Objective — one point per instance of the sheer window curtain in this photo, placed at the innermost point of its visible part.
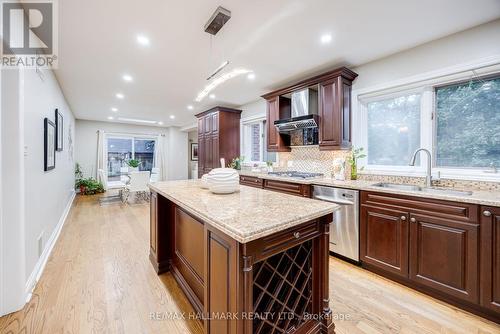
(160, 157)
(101, 154)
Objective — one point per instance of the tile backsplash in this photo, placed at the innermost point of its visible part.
(311, 159)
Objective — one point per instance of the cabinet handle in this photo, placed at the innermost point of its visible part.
(487, 213)
(403, 218)
(296, 235)
(413, 220)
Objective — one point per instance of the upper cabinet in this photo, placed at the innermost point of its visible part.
(334, 110)
(218, 137)
(277, 108)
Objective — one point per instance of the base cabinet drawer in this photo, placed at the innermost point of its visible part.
(288, 187)
(251, 181)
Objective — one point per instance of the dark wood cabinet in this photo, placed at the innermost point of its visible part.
(444, 255)
(218, 137)
(291, 188)
(441, 248)
(277, 108)
(490, 258)
(251, 181)
(286, 271)
(334, 110)
(384, 239)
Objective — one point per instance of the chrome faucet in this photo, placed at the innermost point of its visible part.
(428, 177)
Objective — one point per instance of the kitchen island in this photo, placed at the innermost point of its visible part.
(249, 262)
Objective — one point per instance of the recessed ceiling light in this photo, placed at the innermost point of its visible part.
(251, 76)
(114, 109)
(172, 116)
(110, 117)
(143, 40)
(326, 38)
(160, 123)
(119, 96)
(190, 107)
(212, 96)
(127, 78)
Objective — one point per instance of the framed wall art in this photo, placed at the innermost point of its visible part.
(59, 130)
(49, 145)
(194, 151)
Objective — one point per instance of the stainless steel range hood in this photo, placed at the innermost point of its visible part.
(304, 113)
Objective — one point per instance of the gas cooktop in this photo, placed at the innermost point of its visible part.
(298, 175)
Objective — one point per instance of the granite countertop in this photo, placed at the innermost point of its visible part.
(482, 197)
(246, 215)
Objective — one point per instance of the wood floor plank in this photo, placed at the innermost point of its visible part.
(99, 280)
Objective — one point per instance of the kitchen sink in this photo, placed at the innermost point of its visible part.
(410, 187)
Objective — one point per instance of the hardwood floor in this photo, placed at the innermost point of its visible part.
(99, 280)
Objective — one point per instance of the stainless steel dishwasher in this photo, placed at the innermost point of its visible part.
(344, 230)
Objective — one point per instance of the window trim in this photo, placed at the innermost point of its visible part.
(250, 121)
(426, 83)
(363, 126)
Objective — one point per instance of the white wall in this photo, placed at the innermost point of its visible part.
(86, 141)
(177, 157)
(12, 194)
(34, 202)
(253, 109)
(56, 187)
(463, 47)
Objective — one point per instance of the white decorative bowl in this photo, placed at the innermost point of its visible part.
(204, 181)
(223, 181)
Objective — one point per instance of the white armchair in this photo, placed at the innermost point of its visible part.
(114, 185)
(138, 185)
(123, 175)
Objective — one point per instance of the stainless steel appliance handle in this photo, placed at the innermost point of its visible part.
(333, 200)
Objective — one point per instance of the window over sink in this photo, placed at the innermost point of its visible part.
(455, 117)
(468, 124)
(393, 130)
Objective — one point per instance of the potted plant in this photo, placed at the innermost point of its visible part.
(357, 153)
(79, 181)
(236, 163)
(87, 186)
(133, 164)
(269, 165)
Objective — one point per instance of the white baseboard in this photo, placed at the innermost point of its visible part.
(42, 261)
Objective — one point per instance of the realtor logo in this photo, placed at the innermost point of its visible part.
(28, 30)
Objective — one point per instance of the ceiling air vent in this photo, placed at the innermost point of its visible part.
(217, 20)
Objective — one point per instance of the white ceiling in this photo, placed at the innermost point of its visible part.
(279, 40)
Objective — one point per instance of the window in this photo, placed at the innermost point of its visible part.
(458, 122)
(393, 130)
(468, 124)
(254, 142)
(122, 149)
